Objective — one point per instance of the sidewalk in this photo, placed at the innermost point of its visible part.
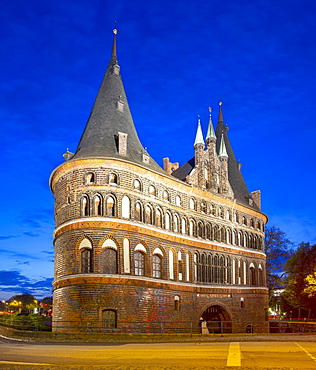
(49, 337)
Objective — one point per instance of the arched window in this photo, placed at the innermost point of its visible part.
(156, 266)
(109, 319)
(222, 235)
(258, 225)
(166, 196)
(167, 221)
(139, 263)
(152, 190)
(215, 233)
(158, 218)
(180, 265)
(236, 218)
(175, 223)
(239, 239)
(221, 212)
(213, 210)
(171, 267)
(126, 207)
(200, 229)
(235, 238)
(126, 258)
(210, 276)
(85, 206)
(110, 261)
(252, 274)
(192, 204)
(208, 232)
(138, 212)
(245, 238)
(89, 178)
(97, 205)
(110, 206)
(137, 185)
(85, 261)
(203, 207)
(228, 217)
(113, 180)
(221, 270)
(229, 236)
(216, 269)
(176, 303)
(191, 228)
(196, 260)
(203, 268)
(148, 215)
(244, 220)
(183, 226)
(178, 201)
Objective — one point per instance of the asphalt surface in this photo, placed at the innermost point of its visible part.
(233, 352)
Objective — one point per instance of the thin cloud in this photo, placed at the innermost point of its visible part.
(6, 237)
(17, 283)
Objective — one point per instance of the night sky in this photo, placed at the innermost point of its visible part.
(177, 59)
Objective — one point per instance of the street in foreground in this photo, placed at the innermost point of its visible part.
(245, 355)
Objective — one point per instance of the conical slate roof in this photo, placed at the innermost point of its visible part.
(235, 177)
(109, 116)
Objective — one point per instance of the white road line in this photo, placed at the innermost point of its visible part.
(234, 356)
(308, 354)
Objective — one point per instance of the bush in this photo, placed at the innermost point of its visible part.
(37, 321)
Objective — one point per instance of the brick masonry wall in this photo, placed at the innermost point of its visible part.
(80, 305)
(80, 298)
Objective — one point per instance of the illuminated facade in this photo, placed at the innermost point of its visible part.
(141, 248)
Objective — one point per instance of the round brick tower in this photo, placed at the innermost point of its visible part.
(140, 249)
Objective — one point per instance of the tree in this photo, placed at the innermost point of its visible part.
(299, 267)
(310, 287)
(22, 302)
(277, 248)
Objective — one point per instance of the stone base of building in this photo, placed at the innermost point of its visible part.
(135, 305)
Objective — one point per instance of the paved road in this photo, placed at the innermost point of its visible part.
(158, 356)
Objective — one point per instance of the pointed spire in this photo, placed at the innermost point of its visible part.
(114, 44)
(210, 130)
(220, 114)
(222, 148)
(199, 135)
(110, 130)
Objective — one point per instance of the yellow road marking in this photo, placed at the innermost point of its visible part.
(308, 354)
(234, 358)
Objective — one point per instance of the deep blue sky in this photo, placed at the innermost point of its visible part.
(177, 58)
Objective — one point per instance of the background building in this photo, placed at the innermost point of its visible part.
(138, 247)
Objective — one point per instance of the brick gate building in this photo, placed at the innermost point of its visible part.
(138, 247)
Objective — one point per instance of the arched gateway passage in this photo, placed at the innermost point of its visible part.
(216, 319)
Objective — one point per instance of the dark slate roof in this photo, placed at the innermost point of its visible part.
(235, 177)
(99, 139)
(182, 172)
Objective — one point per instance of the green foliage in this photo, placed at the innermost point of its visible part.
(310, 287)
(301, 264)
(24, 322)
(37, 321)
(277, 248)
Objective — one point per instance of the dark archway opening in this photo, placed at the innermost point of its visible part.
(217, 320)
